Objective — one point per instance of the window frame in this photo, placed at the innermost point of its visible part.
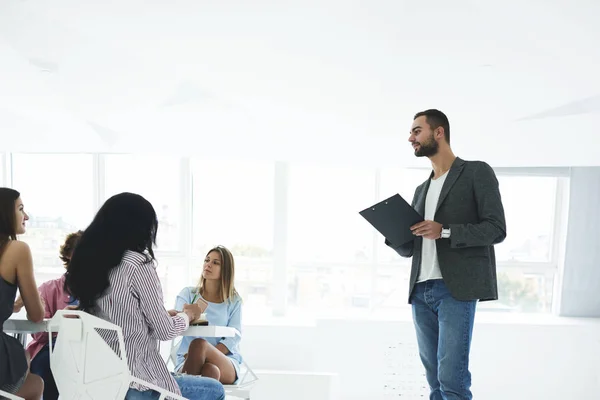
(185, 195)
(5, 176)
(546, 269)
(280, 269)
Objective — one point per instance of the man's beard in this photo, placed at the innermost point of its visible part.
(427, 149)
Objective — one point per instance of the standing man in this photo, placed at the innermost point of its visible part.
(453, 260)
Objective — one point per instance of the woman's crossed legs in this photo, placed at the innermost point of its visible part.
(206, 360)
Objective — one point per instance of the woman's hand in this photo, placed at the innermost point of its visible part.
(173, 313)
(18, 305)
(193, 311)
(202, 303)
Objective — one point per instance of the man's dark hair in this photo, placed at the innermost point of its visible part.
(67, 248)
(435, 119)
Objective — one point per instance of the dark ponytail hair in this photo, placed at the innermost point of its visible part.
(126, 221)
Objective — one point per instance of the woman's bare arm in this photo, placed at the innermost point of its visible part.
(20, 254)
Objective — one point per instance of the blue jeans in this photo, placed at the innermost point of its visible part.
(444, 328)
(192, 388)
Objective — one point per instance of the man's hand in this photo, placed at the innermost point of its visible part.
(173, 313)
(427, 229)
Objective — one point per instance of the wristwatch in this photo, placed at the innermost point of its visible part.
(445, 232)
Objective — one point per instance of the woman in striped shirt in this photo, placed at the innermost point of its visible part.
(112, 274)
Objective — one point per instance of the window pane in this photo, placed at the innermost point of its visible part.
(403, 181)
(522, 291)
(530, 207)
(173, 275)
(57, 191)
(529, 203)
(158, 179)
(330, 247)
(324, 220)
(233, 207)
(3, 180)
(391, 291)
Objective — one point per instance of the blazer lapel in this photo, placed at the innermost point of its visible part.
(453, 175)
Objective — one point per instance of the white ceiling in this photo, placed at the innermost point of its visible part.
(326, 80)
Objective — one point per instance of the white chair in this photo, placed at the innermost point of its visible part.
(9, 396)
(84, 366)
(240, 390)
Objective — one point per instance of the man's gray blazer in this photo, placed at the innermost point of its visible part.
(471, 206)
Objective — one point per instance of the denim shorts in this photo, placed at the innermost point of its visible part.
(236, 367)
(192, 388)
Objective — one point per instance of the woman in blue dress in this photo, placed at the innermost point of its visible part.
(217, 358)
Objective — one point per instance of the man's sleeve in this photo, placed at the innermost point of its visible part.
(491, 228)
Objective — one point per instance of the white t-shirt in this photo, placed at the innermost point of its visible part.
(430, 266)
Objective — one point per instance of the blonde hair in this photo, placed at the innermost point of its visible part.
(227, 289)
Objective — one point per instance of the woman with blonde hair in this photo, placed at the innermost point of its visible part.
(218, 358)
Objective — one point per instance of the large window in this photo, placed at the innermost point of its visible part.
(158, 179)
(233, 205)
(58, 192)
(403, 181)
(330, 249)
(173, 274)
(294, 228)
(530, 207)
(323, 214)
(527, 259)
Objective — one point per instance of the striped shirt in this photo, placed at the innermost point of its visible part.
(134, 301)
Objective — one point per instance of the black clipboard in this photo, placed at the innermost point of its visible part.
(393, 218)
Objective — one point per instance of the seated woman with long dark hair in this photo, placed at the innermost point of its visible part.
(55, 298)
(113, 276)
(16, 271)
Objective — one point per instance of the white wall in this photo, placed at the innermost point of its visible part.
(258, 83)
(531, 358)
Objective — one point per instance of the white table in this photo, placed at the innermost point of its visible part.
(20, 327)
(210, 331)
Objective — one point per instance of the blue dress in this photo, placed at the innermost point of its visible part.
(13, 363)
(228, 313)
